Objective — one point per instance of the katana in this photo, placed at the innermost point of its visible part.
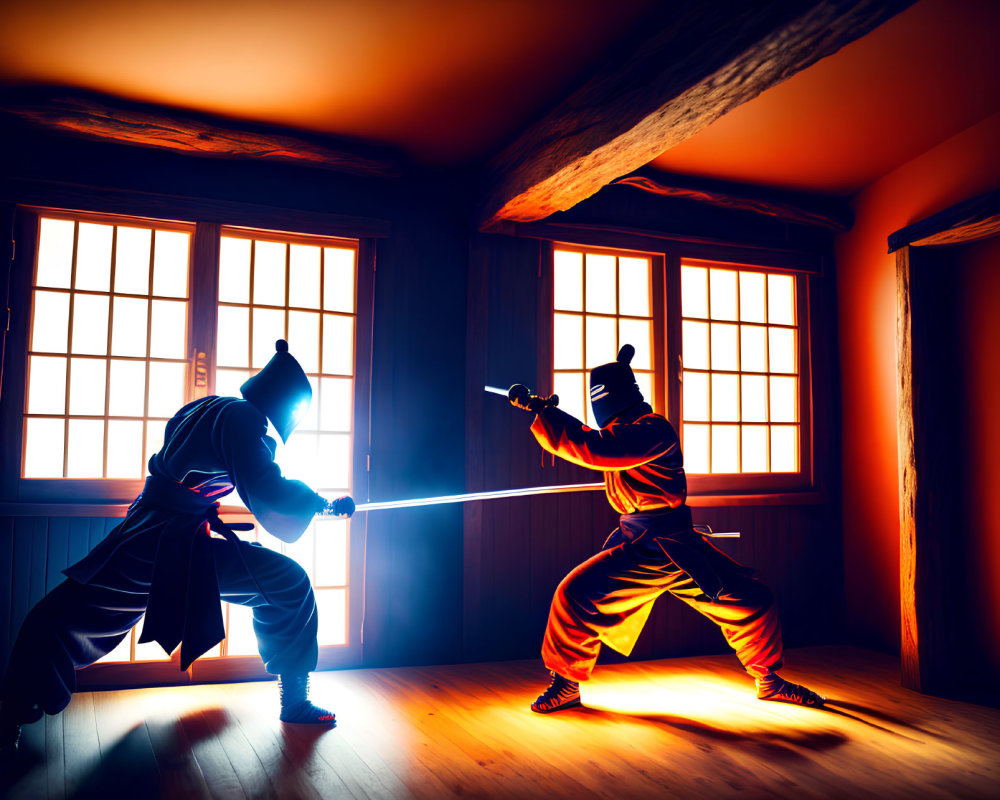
(469, 497)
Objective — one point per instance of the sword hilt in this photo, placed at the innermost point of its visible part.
(520, 395)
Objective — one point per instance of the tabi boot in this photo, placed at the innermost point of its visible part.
(774, 687)
(562, 693)
(295, 705)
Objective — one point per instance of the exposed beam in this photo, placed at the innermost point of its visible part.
(838, 220)
(149, 126)
(969, 221)
(704, 59)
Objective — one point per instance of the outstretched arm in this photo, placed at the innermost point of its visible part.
(617, 447)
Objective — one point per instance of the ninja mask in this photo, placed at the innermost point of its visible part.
(613, 388)
(281, 390)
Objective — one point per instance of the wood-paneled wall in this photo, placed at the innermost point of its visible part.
(33, 553)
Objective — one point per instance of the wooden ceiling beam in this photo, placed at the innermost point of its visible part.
(704, 59)
(150, 126)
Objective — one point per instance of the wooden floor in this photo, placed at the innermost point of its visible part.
(675, 728)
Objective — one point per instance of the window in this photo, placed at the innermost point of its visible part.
(112, 355)
(602, 300)
(740, 345)
(740, 393)
(107, 357)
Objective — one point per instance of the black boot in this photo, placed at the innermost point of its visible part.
(562, 693)
(774, 687)
(295, 705)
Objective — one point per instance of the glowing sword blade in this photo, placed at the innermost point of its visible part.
(529, 491)
(496, 390)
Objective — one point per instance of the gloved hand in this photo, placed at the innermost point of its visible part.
(520, 396)
(341, 507)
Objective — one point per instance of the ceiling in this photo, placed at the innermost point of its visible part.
(836, 127)
(447, 81)
(450, 82)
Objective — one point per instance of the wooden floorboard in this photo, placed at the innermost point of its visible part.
(676, 728)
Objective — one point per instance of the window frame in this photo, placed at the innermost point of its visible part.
(707, 489)
(110, 497)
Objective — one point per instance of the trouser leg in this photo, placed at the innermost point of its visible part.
(747, 615)
(610, 590)
(73, 626)
(284, 617)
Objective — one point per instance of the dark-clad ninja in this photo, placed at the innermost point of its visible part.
(162, 560)
(655, 548)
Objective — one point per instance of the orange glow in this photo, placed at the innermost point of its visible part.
(854, 116)
(445, 79)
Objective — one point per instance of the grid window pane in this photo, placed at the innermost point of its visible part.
(336, 397)
(695, 394)
(170, 263)
(781, 349)
(268, 327)
(234, 270)
(85, 448)
(567, 344)
(781, 299)
(90, 324)
(754, 452)
(132, 249)
(154, 437)
(634, 288)
(753, 348)
(695, 344)
(93, 257)
(46, 385)
(723, 293)
(751, 376)
(332, 612)
(303, 338)
(601, 341)
(753, 297)
(168, 329)
(338, 279)
(269, 273)
(232, 337)
(109, 302)
(639, 334)
(694, 292)
(644, 380)
(87, 386)
(55, 252)
(696, 447)
(725, 448)
(568, 280)
(725, 347)
(240, 638)
(229, 381)
(44, 440)
(127, 389)
(331, 552)
(125, 449)
(569, 387)
(304, 276)
(338, 344)
(600, 278)
(50, 322)
(128, 327)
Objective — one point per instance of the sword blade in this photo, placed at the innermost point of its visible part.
(385, 505)
(496, 390)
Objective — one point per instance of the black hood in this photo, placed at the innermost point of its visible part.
(281, 390)
(613, 388)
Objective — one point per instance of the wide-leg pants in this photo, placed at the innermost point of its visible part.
(76, 624)
(608, 597)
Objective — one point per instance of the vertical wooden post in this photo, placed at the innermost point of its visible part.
(928, 370)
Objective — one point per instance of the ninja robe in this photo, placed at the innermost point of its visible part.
(655, 549)
(162, 561)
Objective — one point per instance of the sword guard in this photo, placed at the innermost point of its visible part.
(521, 397)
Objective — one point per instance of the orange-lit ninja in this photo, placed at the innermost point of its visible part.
(655, 548)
